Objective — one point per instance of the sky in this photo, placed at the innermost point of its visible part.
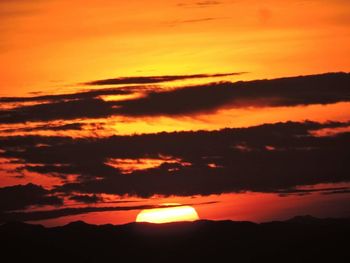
(239, 109)
(52, 45)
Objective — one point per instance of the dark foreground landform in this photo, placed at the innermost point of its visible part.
(301, 239)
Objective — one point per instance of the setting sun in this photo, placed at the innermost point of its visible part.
(168, 214)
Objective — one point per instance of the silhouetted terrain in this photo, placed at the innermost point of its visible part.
(301, 239)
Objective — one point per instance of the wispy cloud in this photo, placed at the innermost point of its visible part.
(63, 127)
(197, 20)
(49, 214)
(194, 20)
(207, 3)
(159, 79)
(199, 4)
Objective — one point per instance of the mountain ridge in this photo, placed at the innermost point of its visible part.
(320, 240)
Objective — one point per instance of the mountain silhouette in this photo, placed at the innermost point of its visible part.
(301, 239)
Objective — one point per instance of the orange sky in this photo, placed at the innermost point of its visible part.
(256, 207)
(50, 45)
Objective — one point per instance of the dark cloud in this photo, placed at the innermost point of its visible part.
(61, 110)
(331, 190)
(22, 196)
(82, 95)
(340, 191)
(159, 79)
(268, 158)
(55, 213)
(88, 199)
(89, 94)
(315, 89)
(63, 127)
(49, 214)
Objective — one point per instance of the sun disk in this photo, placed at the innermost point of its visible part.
(168, 214)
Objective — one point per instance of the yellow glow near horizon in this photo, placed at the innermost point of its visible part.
(168, 214)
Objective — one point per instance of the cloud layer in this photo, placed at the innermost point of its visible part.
(266, 158)
(22, 196)
(189, 100)
(279, 158)
(157, 79)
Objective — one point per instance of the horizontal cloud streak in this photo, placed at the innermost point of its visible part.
(63, 127)
(67, 97)
(61, 110)
(317, 89)
(88, 199)
(49, 214)
(159, 79)
(200, 4)
(56, 213)
(190, 100)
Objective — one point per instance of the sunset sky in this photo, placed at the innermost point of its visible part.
(51, 45)
(240, 109)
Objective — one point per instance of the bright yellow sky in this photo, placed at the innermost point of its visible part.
(50, 45)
